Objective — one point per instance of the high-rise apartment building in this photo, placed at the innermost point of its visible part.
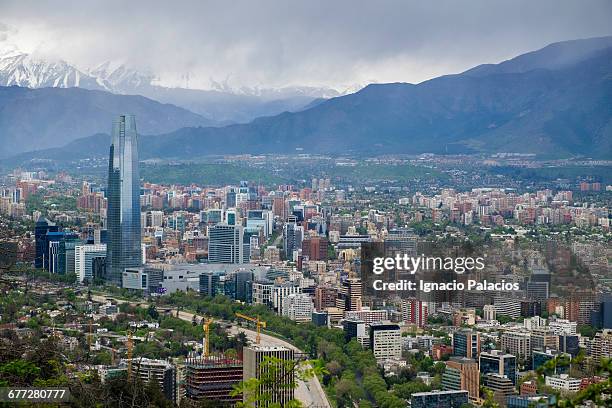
(401, 241)
(280, 291)
(489, 312)
(543, 339)
(517, 343)
(385, 341)
(414, 311)
(349, 297)
(298, 307)
(262, 292)
(123, 193)
(367, 315)
(507, 306)
(315, 248)
(601, 346)
(462, 374)
(466, 343)
(292, 238)
(279, 207)
(325, 297)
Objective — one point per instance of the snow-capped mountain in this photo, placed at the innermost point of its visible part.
(221, 103)
(21, 69)
(121, 79)
(29, 71)
(277, 93)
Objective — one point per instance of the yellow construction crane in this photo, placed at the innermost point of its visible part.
(129, 353)
(258, 322)
(206, 326)
(90, 337)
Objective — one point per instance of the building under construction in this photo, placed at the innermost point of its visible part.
(212, 378)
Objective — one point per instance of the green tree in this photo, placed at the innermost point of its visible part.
(19, 373)
(406, 390)
(587, 330)
(276, 377)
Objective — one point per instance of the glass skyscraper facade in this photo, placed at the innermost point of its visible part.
(123, 214)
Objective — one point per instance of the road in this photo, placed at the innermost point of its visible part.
(309, 393)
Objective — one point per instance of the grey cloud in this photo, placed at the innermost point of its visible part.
(276, 43)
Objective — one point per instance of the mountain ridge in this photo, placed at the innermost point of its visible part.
(221, 104)
(33, 119)
(559, 110)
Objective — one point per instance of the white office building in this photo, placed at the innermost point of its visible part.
(225, 244)
(385, 341)
(562, 326)
(489, 312)
(83, 260)
(281, 291)
(298, 307)
(563, 382)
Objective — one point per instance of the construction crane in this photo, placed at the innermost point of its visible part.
(90, 337)
(206, 326)
(129, 354)
(258, 322)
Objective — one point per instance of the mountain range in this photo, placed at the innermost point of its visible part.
(34, 119)
(221, 104)
(556, 101)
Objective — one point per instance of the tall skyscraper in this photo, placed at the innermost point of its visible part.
(292, 238)
(124, 244)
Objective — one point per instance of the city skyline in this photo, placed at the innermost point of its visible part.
(285, 239)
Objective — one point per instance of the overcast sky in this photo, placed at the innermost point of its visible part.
(280, 43)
